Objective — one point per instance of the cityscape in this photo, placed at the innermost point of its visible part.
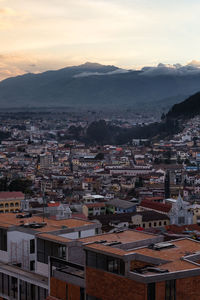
(99, 150)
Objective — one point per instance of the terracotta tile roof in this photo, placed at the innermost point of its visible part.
(7, 195)
(179, 229)
(53, 204)
(162, 207)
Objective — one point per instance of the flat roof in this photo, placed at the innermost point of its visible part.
(126, 236)
(53, 237)
(8, 220)
(182, 248)
(26, 274)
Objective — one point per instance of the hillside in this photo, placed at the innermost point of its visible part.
(186, 109)
(98, 86)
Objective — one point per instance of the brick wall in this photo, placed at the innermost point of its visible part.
(107, 286)
(160, 290)
(73, 292)
(188, 288)
(58, 290)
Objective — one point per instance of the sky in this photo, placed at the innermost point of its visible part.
(38, 35)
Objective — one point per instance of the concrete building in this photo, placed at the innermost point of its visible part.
(27, 242)
(130, 271)
(46, 160)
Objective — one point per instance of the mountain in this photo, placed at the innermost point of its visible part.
(97, 86)
(186, 109)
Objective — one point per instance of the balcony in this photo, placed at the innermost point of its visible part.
(66, 271)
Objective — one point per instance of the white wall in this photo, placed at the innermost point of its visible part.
(87, 233)
(75, 235)
(42, 268)
(19, 248)
(4, 256)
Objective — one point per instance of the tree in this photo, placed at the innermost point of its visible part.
(99, 156)
(21, 185)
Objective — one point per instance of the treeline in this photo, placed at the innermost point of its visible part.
(100, 132)
(186, 109)
(4, 135)
(16, 185)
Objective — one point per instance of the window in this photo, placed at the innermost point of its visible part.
(82, 293)
(181, 220)
(103, 262)
(6, 204)
(151, 291)
(143, 225)
(165, 223)
(16, 204)
(11, 204)
(160, 223)
(47, 248)
(32, 246)
(3, 240)
(155, 224)
(170, 290)
(150, 224)
(32, 265)
(14, 287)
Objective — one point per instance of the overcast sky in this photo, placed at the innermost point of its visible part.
(36, 35)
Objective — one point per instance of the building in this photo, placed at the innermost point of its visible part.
(180, 213)
(10, 201)
(94, 209)
(46, 160)
(27, 242)
(120, 206)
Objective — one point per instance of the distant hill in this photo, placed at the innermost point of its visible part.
(186, 109)
(97, 86)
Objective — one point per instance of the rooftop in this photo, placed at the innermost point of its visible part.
(182, 248)
(123, 237)
(121, 203)
(9, 220)
(10, 195)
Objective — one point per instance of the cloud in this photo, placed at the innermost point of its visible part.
(175, 69)
(87, 74)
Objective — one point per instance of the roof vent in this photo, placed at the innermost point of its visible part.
(160, 246)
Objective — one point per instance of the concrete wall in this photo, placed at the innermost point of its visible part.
(4, 256)
(42, 268)
(79, 234)
(19, 248)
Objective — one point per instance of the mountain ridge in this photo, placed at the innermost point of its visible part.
(115, 88)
